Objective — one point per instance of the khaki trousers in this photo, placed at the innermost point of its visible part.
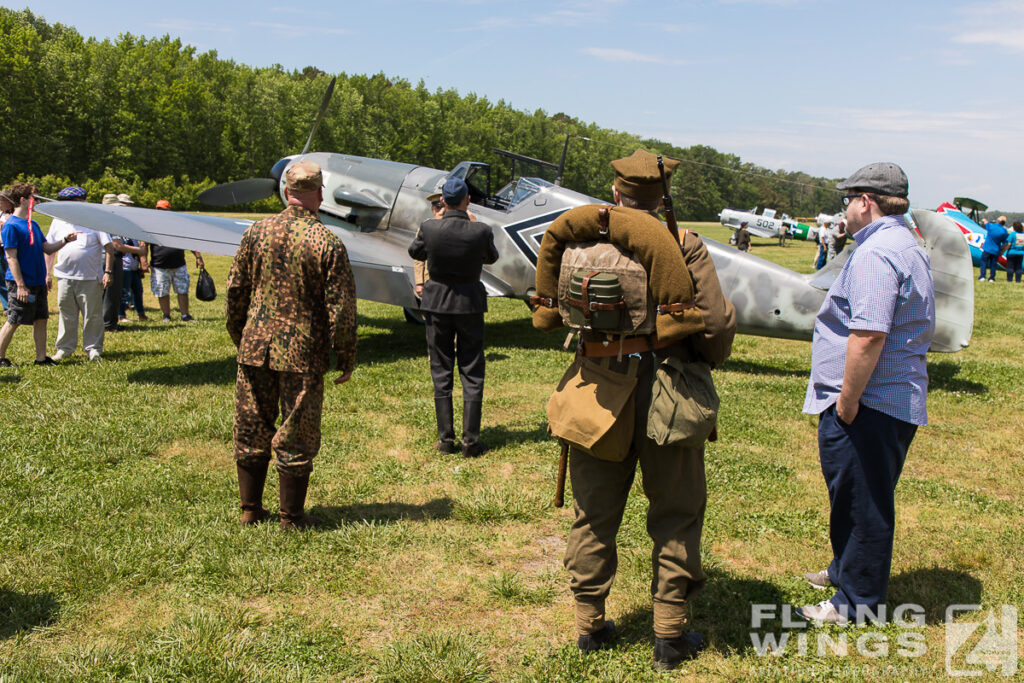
(674, 483)
(76, 297)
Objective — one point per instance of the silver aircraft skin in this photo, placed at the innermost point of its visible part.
(376, 207)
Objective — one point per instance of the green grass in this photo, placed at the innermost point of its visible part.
(121, 557)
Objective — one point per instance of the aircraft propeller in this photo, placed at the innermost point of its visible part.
(254, 189)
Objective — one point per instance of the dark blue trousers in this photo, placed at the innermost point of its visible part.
(989, 261)
(862, 463)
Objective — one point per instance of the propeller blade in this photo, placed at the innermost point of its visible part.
(320, 115)
(239, 192)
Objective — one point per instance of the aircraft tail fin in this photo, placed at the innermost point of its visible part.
(953, 275)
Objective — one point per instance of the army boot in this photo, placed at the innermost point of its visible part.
(595, 632)
(672, 645)
(293, 500)
(250, 489)
(671, 652)
(445, 425)
(471, 446)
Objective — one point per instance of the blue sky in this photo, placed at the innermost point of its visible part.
(820, 86)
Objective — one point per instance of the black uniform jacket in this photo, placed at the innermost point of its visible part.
(455, 249)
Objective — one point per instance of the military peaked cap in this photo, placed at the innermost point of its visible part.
(637, 175)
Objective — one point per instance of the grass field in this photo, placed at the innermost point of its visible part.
(121, 556)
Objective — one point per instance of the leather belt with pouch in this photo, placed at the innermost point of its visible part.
(593, 409)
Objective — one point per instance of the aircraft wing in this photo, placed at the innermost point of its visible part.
(382, 270)
(205, 234)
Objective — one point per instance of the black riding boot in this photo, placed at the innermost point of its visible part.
(445, 425)
(471, 446)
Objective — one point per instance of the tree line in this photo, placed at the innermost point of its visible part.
(152, 117)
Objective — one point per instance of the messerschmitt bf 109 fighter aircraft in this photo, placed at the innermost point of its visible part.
(376, 207)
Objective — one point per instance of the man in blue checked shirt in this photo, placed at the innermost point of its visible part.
(868, 384)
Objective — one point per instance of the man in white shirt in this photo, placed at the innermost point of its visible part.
(82, 271)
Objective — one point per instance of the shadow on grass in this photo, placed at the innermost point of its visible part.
(24, 611)
(942, 375)
(137, 329)
(134, 353)
(221, 371)
(934, 588)
(499, 435)
(335, 516)
(754, 368)
(9, 379)
(721, 613)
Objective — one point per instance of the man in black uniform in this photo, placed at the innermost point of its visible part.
(454, 302)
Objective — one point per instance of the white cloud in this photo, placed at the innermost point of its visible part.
(944, 153)
(998, 24)
(611, 54)
(297, 30)
(1012, 39)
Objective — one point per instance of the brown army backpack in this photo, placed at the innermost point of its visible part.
(603, 287)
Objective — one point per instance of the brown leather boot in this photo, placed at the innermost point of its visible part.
(250, 489)
(293, 500)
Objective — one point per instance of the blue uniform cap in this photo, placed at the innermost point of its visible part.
(72, 192)
(454, 191)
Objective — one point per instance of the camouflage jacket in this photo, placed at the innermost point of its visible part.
(291, 297)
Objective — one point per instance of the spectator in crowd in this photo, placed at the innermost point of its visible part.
(26, 248)
(134, 265)
(869, 386)
(168, 270)
(743, 237)
(82, 271)
(840, 237)
(995, 240)
(6, 209)
(1015, 252)
(112, 293)
(824, 240)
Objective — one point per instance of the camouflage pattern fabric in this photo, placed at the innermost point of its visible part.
(259, 394)
(291, 295)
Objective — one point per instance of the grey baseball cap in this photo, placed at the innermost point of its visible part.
(883, 177)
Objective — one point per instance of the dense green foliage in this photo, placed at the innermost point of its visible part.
(123, 114)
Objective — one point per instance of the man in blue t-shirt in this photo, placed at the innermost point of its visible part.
(995, 238)
(25, 248)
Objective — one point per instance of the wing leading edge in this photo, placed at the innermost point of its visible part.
(383, 271)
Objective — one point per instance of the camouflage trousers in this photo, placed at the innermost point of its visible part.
(260, 395)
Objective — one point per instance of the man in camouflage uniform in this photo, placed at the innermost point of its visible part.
(673, 474)
(290, 301)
